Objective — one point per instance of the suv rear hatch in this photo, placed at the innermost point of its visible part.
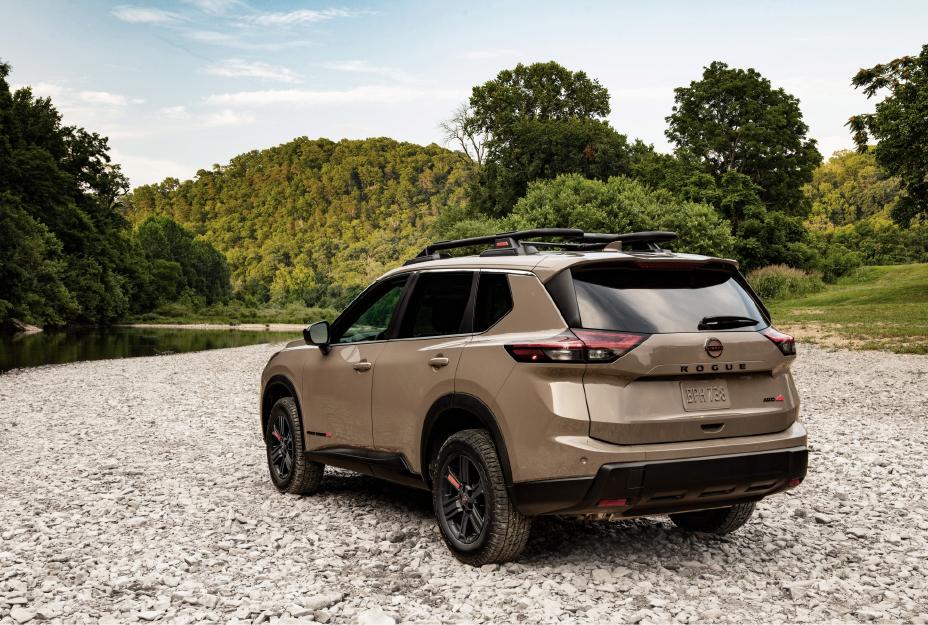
(704, 366)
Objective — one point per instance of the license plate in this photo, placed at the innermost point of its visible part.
(708, 395)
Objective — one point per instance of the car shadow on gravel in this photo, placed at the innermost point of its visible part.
(551, 537)
(562, 537)
(392, 498)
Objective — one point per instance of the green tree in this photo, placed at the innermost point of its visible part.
(313, 221)
(535, 122)
(66, 253)
(849, 188)
(621, 204)
(900, 127)
(191, 263)
(733, 120)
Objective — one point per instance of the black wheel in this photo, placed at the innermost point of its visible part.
(477, 520)
(290, 471)
(718, 521)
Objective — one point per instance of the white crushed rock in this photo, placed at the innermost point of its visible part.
(136, 491)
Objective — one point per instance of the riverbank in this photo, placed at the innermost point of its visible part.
(250, 327)
(138, 489)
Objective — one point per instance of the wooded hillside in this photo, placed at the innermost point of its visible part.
(313, 220)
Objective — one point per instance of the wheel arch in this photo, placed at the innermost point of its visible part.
(277, 387)
(455, 412)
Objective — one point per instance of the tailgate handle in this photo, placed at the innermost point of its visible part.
(712, 428)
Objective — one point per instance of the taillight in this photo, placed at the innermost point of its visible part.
(785, 342)
(595, 346)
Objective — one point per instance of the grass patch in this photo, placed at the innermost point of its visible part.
(884, 307)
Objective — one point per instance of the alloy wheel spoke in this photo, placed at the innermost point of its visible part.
(451, 507)
(464, 470)
(462, 530)
(477, 519)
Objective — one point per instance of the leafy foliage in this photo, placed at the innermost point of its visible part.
(66, 254)
(900, 127)
(313, 221)
(65, 250)
(621, 205)
(850, 187)
(537, 121)
(733, 120)
(181, 262)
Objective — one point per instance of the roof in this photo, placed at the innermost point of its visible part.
(548, 264)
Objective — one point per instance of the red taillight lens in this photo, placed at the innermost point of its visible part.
(564, 347)
(785, 342)
(575, 346)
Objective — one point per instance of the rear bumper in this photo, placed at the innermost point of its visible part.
(665, 486)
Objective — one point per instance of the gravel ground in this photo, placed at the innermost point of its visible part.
(136, 490)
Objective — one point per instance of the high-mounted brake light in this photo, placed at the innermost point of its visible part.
(576, 346)
(785, 342)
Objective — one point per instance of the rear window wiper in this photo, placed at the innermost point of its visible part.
(721, 322)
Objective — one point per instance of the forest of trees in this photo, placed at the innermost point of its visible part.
(67, 255)
(312, 221)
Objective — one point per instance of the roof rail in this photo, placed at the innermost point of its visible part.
(517, 243)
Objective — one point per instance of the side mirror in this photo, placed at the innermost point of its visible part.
(317, 334)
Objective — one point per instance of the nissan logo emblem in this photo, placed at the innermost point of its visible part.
(714, 347)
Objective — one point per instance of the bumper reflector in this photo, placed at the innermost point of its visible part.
(610, 503)
(794, 482)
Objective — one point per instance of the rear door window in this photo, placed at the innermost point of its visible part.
(656, 301)
(437, 304)
(494, 300)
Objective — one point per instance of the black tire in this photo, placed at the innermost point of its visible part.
(718, 521)
(290, 471)
(480, 493)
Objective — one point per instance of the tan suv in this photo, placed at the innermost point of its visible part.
(556, 372)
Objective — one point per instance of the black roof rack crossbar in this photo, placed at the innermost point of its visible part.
(515, 236)
(519, 243)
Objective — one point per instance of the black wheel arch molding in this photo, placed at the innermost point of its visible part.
(276, 387)
(474, 407)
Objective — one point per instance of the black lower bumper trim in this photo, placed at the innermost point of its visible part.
(666, 486)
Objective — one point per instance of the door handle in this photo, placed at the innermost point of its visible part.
(438, 361)
(362, 366)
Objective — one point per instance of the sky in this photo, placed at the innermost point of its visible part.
(178, 86)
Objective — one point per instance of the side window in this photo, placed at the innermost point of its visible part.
(437, 304)
(372, 318)
(494, 300)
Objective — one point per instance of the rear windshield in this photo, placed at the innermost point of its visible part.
(657, 301)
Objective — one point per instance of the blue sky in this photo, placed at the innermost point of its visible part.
(178, 86)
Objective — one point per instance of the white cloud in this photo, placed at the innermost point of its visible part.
(237, 68)
(482, 55)
(103, 97)
(214, 7)
(224, 39)
(66, 98)
(145, 15)
(44, 89)
(365, 94)
(175, 112)
(300, 16)
(227, 117)
(144, 170)
(210, 36)
(363, 67)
